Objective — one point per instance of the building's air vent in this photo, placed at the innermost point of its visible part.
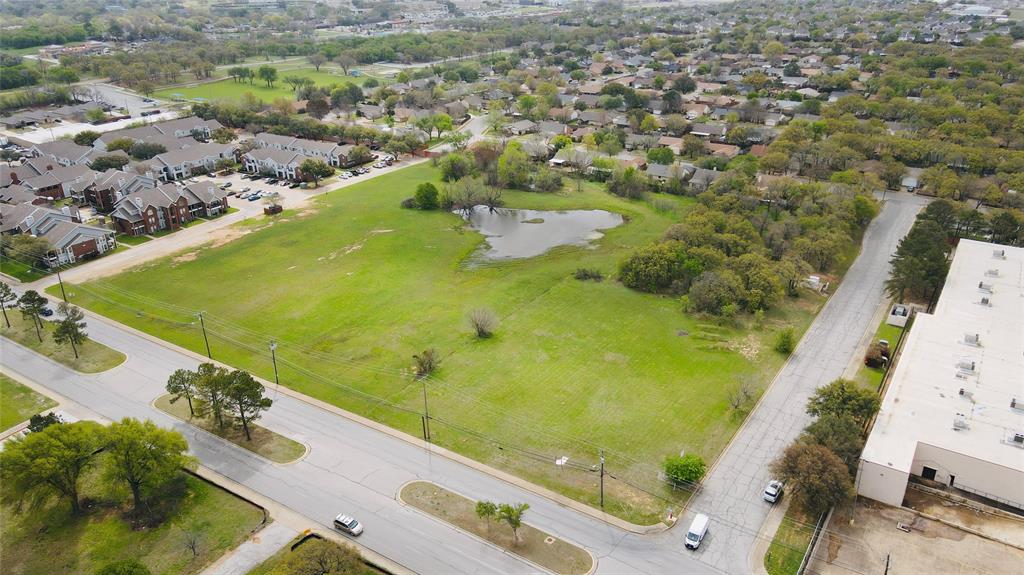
(984, 287)
(966, 394)
(999, 254)
(992, 273)
(972, 339)
(1018, 438)
(959, 422)
(986, 302)
(966, 365)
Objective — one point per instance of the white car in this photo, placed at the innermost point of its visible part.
(773, 491)
(348, 524)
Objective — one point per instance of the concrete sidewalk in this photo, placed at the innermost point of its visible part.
(260, 547)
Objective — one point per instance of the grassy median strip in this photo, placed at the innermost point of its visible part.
(264, 443)
(18, 403)
(534, 545)
(50, 541)
(790, 542)
(92, 357)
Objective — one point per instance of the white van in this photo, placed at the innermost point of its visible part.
(698, 529)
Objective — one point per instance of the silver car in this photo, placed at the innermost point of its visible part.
(348, 524)
(773, 491)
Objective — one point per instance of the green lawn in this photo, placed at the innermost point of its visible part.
(19, 270)
(132, 240)
(790, 542)
(93, 357)
(18, 403)
(277, 564)
(354, 290)
(229, 89)
(264, 442)
(49, 541)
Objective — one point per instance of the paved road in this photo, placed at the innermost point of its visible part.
(359, 470)
(731, 494)
(349, 468)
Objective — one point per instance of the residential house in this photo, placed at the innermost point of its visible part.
(521, 127)
(727, 151)
(197, 159)
(702, 179)
(64, 152)
(112, 185)
(280, 163)
(165, 207)
(70, 240)
(673, 143)
(332, 153)
(665, 172)
(550, 129)
(712, 131)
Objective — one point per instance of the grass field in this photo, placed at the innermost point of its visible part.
(353, 290)
(19, 270)
(229, 89)
(18, 403)
(553, 554)
(277, 564)
(790, 542)
(264, 442)
(132, 240)
(49, 541)
(92, 357)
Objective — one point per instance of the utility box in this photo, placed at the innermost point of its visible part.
(898, 315)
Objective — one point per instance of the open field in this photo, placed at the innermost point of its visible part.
(18, 403)
(229, 89)
(354, 286)
(49, 541)
(265, 443)
(555, 555)
(92, 357)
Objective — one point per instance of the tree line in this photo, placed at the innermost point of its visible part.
(227, 397)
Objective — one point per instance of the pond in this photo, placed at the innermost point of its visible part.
(513, 234)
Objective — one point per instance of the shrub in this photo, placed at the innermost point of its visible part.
(588, 274)
(483, 321)
(785, 341)
(427, 362)
(683, 471)
(124, 567)
(426, 196)
(409, 203)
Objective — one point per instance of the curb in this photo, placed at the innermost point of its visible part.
(962, 528)
(557, 498)
(398, 498)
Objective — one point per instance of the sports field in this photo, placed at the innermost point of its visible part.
(355, 286)
(229, 89)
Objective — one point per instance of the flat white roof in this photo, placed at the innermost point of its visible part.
(924, 402)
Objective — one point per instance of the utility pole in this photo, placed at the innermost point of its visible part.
(886, 564)
(602, 479)
(205, 339)
(426, 412)
(273, 358)
(61, 282)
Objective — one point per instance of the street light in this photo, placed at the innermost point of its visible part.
(273, 358)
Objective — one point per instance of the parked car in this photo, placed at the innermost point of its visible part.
(46, 312)
(225, 185)
(773, 491)
(254, 197)
(272, 181)
(348, 524)
(294, 185)
(698, 529)
(245, 189)
(231, 193)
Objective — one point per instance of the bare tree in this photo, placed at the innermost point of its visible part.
(743, 393)
(427, 362)
(483, 321)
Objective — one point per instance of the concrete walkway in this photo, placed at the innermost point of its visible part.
(257, 549)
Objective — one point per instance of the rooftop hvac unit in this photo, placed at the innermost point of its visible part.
(984, 287)
(986, 301)
(966, 394)
(966, 365)
(959, 422)
(972, 339)
(999, 254)
(1018, 438)
(993, 273)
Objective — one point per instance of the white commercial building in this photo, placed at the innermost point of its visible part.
(954, 409)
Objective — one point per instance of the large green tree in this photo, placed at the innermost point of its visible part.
(246, 398)
(143, 456)
(843, 397)
(316, 170)
(50, 462)
(919, 266)
(70, 327)
(32, 305)
(817, 478)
